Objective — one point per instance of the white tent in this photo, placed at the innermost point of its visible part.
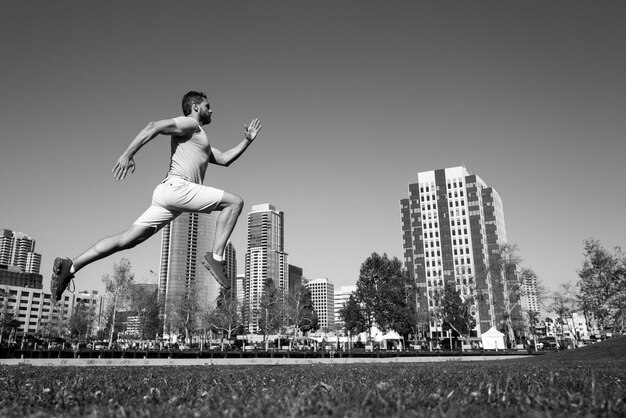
(390, 336)
(493, 339)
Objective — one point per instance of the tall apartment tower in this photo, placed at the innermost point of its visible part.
(530, 299)
(265, 258)
(323, 298)
(452, 225)
(230, 256)
(184, 242)
(17, 249)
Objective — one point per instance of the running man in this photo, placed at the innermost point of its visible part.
(181, 191)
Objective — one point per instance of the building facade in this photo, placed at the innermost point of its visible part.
(38, 316)
(323, 298)
(18, 249)
(342, 295)
(452, 227)
(240, 289)
(184, 242)
(295, 278)
(529, 295)
(265, 259)
(14, 276)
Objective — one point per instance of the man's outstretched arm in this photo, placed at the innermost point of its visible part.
(226, 158)
(147, 134)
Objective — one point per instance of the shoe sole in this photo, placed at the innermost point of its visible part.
(57, 269)
(215, 276)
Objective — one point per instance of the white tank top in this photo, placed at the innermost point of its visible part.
(190, 154)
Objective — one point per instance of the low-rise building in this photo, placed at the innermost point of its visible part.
(36, 314)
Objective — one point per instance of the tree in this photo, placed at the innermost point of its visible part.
(117, 287)
(55, 325)
(385, 294)
(5, 315)
(564, 303)
(353, 318)
(298, 311)
(187, 309)
(225, 318)
(515, 282)
(455, 311)
(268, 312)
(145, 303)
(602, 285)
(81, 320)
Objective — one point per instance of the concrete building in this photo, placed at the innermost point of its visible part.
(265, 259)
(230, 256)
(241, 294)
(323, 298)
(184, 242)
(33, 309)
(14, 276)
(529, 297)
(295, 278)
(18, 249)
(452, 225)
(341, 297)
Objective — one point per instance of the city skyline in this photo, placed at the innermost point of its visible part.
(355, 99)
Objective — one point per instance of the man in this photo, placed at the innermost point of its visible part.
(181, 191)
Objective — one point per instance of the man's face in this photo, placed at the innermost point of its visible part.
(205, 112)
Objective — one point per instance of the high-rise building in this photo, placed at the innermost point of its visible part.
(17, 249)
(265, 258)
(185, 241)
(453, 226)
(240, 289)
(323, 298)
(295, 278)
(341, 297)
(230, 256)
(529, 297)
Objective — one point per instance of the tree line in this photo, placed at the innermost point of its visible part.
(385, 297)
(599, 293)
(287, 313)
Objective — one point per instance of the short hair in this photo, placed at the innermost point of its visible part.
(190, 99)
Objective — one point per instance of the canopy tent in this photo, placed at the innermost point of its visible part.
(391, 336)
(493, 339)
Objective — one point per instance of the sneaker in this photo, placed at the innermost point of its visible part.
(61, 277)
(216, 268)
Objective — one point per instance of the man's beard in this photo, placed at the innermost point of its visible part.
(205, 119)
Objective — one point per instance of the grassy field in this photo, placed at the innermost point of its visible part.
(589, 382)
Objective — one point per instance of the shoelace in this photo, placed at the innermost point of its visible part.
(71, 283)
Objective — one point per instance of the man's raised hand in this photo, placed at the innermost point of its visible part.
(253, 129)
(122, 166)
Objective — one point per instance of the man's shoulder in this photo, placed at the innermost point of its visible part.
(185, 120)
(186, 123)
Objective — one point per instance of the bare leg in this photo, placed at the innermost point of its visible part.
(134, 235)
(230, 206)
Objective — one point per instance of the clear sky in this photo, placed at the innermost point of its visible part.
(355, 98)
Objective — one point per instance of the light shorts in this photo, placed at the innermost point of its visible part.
(175, 196)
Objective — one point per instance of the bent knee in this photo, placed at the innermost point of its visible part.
(239, 202)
